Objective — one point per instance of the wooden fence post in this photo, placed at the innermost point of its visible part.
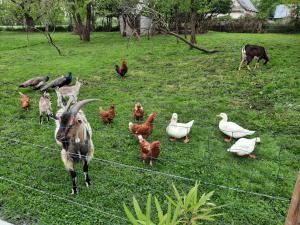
(293, 217)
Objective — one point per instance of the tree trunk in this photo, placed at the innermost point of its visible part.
(177, 22)
(79, 26)
(28, 22)
(193, 23)
(124, 34)
(93, 21)
(293, 217)
(86, 34)
(109, 24)
(185, 28)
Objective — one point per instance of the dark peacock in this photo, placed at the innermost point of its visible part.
(36, 82)
(58, 82)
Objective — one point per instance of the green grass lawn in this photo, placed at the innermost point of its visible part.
(165, 77)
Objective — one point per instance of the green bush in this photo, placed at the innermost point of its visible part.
(58, 28)
(183, 209)
(282, 28)
(12, 28)
(105, 29)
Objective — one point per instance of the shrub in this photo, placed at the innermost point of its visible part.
(184, 209)
(282, 28)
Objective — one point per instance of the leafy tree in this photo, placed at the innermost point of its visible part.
(194, 12)
(267, 7)
(107, 9)
(81, 13)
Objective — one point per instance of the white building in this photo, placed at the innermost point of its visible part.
(283, 11)
(143, 26)
(242, 8)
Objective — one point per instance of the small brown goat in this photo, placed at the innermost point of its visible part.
(45, 107)
(253, 51)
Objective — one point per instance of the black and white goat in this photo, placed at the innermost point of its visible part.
(253, 51)
(45, 107)
(73, 132)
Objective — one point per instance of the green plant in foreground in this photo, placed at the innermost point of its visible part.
(183, 209)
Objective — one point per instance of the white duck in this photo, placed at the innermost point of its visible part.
(232, 129)
(179, 130)
(244, 147)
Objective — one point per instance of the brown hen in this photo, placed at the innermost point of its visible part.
(144, 129)
(149, 151)
(25, 101)
(138, 112)
(107, 116)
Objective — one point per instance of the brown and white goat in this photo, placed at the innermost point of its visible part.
(253, 51)
(73, 132)
(45, 107)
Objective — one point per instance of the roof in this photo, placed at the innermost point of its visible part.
(282, 11)
(247, 5)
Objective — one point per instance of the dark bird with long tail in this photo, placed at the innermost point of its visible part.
(36, 82)
(58, 82)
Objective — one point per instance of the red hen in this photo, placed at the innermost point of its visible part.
(149, 151)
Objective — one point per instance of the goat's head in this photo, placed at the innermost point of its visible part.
(68, 119)
(46, 95)
(78, 82)
(266, 58)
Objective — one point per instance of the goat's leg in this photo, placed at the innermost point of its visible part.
(59, 101)
(74, 98)
(85, 172)
(74, 182)
(41, 119)
(48, 118)
(241, 64)
(248, 67)
(257, 63)
(249, 59)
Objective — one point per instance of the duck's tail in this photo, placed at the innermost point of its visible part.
(250, 132)
(130, 126)
(190, 124)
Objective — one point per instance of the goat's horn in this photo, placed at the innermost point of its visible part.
(67, 104)
(76, 107)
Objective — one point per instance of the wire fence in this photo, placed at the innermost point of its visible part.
(55, 151)
(209, 143)
(133, 168)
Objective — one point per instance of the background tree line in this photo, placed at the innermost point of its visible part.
(83, 16)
